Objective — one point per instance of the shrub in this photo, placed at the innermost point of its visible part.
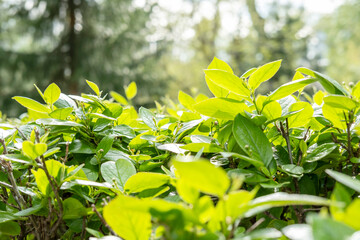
(239, 165)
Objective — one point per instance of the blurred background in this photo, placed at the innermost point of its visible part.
(163, 45)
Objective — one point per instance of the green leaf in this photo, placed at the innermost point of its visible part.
(302, 117)
(148, 117)
(345, 179)
(57, 122)
(131, 90)
(52, 94)
(10, 228)
(263, 74)
(186, 100)
(207, 147)
(324, 228)
(220, 65)
(7, 216)
(252, 140)
(293, 169)
(128, 224)
(33, 150)
(279, 199)
(203, 176)
(215, 89)
(172, 147)
(73, 209)
(320, 152)
(104, 146)
(272, 110)
(32, 104)
(221, 108)
(298, 231)
(94, 87)
(330, 85)
(119, 98)
(340, 101)
(145, 180)
(228, 81)
(335, 115)
(55, 169)
(119, 171)
(356, 91)
(319, 97)
(289, 88)
(61, 113)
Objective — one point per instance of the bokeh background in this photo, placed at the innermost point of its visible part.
(163, 45)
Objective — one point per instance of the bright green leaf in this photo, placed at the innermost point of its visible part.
(252, 140)
(222, 108)
(32, 104)
(73, 209)
(145, 180)
(131, 90)
(203, 176)
(94, 87)
(52, 94)
(119, 171)
(228, 81)
(263, 74)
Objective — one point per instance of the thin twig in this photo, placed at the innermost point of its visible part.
(21, 134)
(2, 141)
(102, 219)
(255, 225)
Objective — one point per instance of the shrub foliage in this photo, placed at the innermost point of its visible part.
(239, 165)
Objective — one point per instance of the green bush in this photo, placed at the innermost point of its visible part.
(239, 165)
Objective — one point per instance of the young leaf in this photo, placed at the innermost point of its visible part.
(318, 97)
(32, 104)
(73, 209)
(320, 152)
(252, 140)
(105, 145)
(127, 223)
(119, 171)
(335, 115)
(119, 98)
(263, 74)
(94, 87)
(221, 108)
(215, 89)
(52, 94)
(302, 117)
(340, 101)
(207, 147)
(289, 88)
(203, 176)
(148, 117)
(145, 180)
(186, 100)
(330, 85)
(228, 81)
(220, 65)
(33, 150)
(61, 113)
(283, 199)
(131, 90)
(345, 179)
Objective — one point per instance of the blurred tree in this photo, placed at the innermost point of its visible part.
(270, 38)
(342, 34)
(108, 42)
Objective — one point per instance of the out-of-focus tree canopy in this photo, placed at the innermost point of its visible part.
(342, 33)
(71, 40)
(164, 45)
